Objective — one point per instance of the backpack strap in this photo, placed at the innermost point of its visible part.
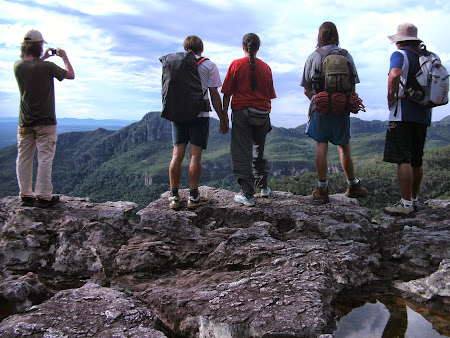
(200, 60)
(419, 52)
(324, 52)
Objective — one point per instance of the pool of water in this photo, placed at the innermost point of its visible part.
(388, 317)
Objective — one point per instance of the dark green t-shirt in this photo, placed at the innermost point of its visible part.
(37, 94)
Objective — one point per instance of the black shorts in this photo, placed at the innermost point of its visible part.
(196, 132)
(404, 143)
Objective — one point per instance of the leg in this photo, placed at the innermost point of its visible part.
(26, 147)
(417, 181)
(405, 180)
(399, 148)
(354, 188)
(261, 125)
(346, 161)
(195, 166)
(198, 135)
(321, 160)
(321, 192)
(417, 158)
(46, 145)
(195, 172)
(241, 151)
(405, 207)
(175, 165)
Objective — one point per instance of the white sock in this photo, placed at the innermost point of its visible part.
(353, 182)
(323, 185)
(407, 204)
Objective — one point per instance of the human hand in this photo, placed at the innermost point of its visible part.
(62, 53)
(224, 126)
(48, 53)
(392, 99)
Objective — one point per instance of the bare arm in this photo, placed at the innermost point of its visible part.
(393, 83)
(70, 75)
(217, 104)
(226, 103)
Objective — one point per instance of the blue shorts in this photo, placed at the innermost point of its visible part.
(334, 128)
(196, 132)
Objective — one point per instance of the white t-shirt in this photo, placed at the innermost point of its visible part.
(210, 77)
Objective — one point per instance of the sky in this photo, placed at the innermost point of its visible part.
(114, 47)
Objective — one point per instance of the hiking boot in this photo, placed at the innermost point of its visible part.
(40, 203)
(27, 201)
(321, 195)
(194, 203)
(248, 202)
(356, 191)
(398, 209)
(174, 202)
(265, 192)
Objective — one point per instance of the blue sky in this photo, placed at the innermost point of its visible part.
(114, 47)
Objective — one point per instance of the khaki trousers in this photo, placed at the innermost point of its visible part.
(28, 139)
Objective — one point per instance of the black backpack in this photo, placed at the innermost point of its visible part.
(182, 93)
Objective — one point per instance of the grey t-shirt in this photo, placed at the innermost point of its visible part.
(314, 63)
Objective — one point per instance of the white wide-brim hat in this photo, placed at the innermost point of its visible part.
(405, 32)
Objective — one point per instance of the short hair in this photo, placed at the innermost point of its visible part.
(34, 49)
(193, 43)
(409, 43)
(328, 34)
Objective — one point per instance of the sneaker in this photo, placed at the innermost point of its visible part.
(174, 202)
(398, 209)
(356, 191)
(248, 202)
(321, 195)
(194, 203)
(27, 201)
(265, 192)
(46, 203)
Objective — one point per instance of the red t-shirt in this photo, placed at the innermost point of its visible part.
(237, 84)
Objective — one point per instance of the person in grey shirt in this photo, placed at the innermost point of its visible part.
(334, 128)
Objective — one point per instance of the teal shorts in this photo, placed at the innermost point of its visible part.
(334, 128)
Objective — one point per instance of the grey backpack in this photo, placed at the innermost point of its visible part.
(430, 85)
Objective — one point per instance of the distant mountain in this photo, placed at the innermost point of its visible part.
(132, 163)
(8, 127)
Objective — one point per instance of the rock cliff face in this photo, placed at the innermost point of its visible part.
(88, 269)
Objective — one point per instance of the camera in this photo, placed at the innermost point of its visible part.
(53, 51)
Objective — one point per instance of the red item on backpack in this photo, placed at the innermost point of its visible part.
(338, 102)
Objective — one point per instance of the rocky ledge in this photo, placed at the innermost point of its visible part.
(223, 270)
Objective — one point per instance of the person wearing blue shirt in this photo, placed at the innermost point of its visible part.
(408, 122)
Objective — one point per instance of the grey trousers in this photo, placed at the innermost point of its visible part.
(248, 137)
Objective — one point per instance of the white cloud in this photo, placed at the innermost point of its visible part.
(100, 7)
(114, 46)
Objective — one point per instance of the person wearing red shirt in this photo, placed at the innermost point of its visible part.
(249, 81)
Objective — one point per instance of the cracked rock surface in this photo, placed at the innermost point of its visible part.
(223, 270)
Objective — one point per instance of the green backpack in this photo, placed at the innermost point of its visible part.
(336, 74)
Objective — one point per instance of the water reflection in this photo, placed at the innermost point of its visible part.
(389, 317)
